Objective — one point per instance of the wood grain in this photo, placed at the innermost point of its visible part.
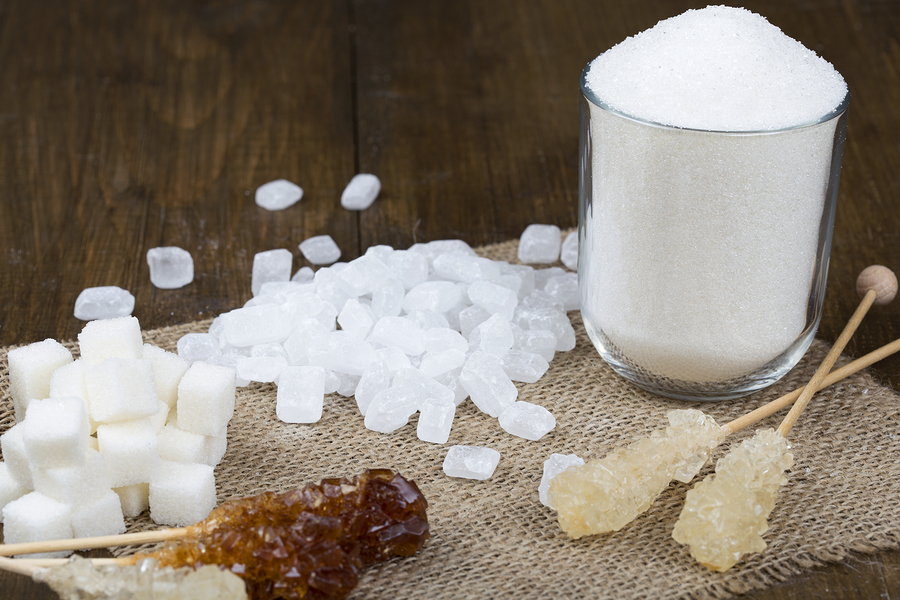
(131, 125)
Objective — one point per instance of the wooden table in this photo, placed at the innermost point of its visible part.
(130, 125)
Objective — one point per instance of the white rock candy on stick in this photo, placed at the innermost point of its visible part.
(725, 515)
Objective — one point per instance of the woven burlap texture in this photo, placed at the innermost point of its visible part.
(493, 539)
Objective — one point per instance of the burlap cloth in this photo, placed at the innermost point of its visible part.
(493, 539)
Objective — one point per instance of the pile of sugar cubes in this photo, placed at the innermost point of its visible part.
(403, 331)
(125, 427)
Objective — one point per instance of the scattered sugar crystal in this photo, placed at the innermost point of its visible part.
(16, 459)
(376, 378)
(435, 420)
(182, 494)
(526, 367)
(391, 409)
(527, 420)
(541, 299)
(439, 296)
(110, 338)
(549, 320)
(462, 267)
(494, 298)
(428, 319)
(130, 450)
(536, 341)
(524, 272)
(197, 346)
(10, 488)
(262, 369)
(438, 339)
(539, 244)
(421, 385)
(301, 394)
(256, 325)
(496, 335)
(437, 364)
(103, 302)
(564, 288)
(56, 432)
(451, 381)
(487, 383)
(382, 252)
(400, 333)
(332, 381)
(541, 276)
(569, 253)
(37, 518)
(303, 275)
(364, 274)
(135, 499)
(361, 192)
(471, 462)
(332, 288)
(387, 298)
(121, 389)
(278, 194)
(394, 359)
(168, 369)
(410, 267)
(271, 265)
(348, 384)
(171, 267)
(205, 399)
(470, 318)
(102, 516)
(31, 368)
(553, 466)
(339, 351)
(297, 344)
(356, 319)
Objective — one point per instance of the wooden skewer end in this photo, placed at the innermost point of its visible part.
(880, 279)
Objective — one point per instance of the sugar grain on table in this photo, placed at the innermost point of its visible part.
(361, 192)
(471, 462)
(171, 267)
(103, 302)
(278, 194)
(435, 420)
(527, 420)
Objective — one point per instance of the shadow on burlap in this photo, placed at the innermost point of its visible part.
(493, 539)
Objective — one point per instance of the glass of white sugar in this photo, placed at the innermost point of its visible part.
(710, 155)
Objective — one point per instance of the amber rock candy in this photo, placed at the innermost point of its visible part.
(606, 494)
(724, 516)
(310, 542)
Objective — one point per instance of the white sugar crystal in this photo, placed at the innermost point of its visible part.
(301, 394)
(428, 319)
(171, 267)
(422, 385)
(496, 335)
(197, 346)
(541, 276)
(332, 288)
(376, 378)
(135, 498)
(361, 192)
(297, 345)
(103, 302)
(271, 265)
(382, 252)
(391, 409)
(549, 320)
(121, 389)
(553, 466)
(332, 381)
(525, 272)
(387, 298)
(487, 383)
(451, 381)
(10, 488)
(182, 494)
(399, 333)
(256, 325)
(526, 367)
(205, 399)
(471, 462)
(37, 518)
(110, 338)
(13, 446)
(130, 451)
(527, 420)
(410, 267)
(168, 369)
(436, 420)
(339, 351)
(438, 364)
(564, 288)
(348, 384)
(278, 194)
(494, 298)
(103, 516)
(437, 247)
(541, 299)
(439, 296)
(470, 318)
(438, 339)
(394, 359)
(262, 369)
(356, 319)
(569, 253)
(320, 250)
(461, 267)
(364, 274)
(539, 244)
(303, 274)
(31, 368)
(56, 432)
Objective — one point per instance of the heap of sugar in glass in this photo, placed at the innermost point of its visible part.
(124, 427)
(689, 233)
(403, 331)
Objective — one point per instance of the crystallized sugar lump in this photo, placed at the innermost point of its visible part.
(104, 302)
(171, 267)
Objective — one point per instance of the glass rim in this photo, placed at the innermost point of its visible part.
(595, 100)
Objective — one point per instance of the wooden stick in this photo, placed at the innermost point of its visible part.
(837, 375)
(103, 541)
(21, 567)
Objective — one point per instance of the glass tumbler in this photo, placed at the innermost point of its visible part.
(703, 255)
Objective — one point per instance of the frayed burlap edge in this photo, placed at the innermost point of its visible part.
(493, 539)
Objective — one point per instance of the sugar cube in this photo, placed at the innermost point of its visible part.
(121, 389)
(31, 368)
(168, 369)
(37, 518)
(110, 338)
(205, 399)
(14, 455)
(10, 488)
(471, 462)
(171, 267)
(177, 445)
(102, 516)
(134, 499)
(130, 450)
(182, 494)
(56, 432)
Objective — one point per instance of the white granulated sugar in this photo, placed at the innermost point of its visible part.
(471, 462)
(719, 69)
(553, 466)
(361, 192)
(171, 267)
(104, 302)
(278, 194)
